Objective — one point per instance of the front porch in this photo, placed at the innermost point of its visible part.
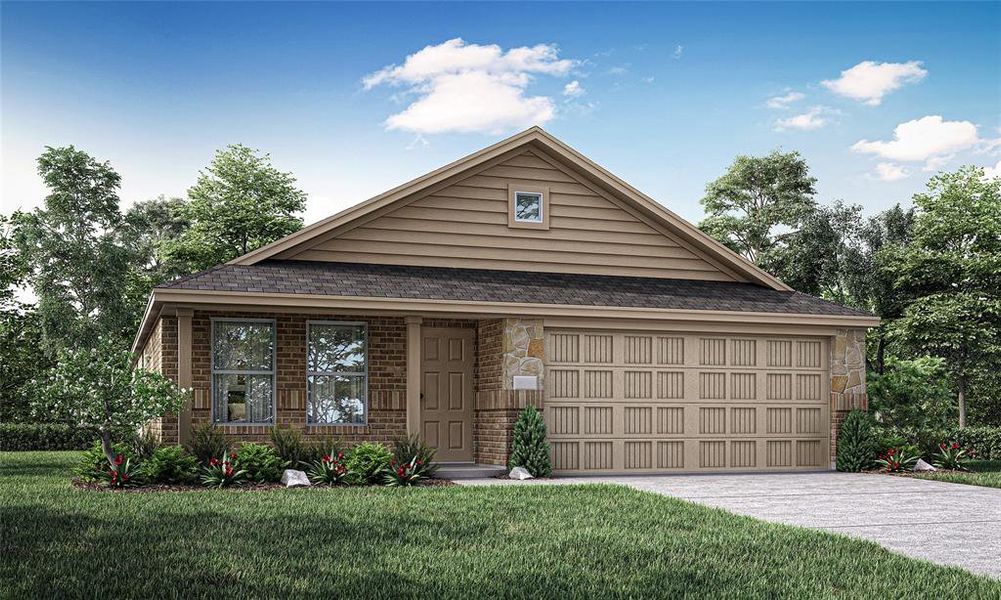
(450, 380)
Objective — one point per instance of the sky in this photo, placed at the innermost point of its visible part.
(354, 99)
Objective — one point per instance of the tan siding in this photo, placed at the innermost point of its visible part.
(466, 225)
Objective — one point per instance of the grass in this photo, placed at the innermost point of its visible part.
(537, 541)
(985, 473)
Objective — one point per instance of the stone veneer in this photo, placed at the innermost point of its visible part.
(847, 378)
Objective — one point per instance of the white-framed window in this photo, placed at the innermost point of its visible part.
(243, 371)
(528, 207)
(336, 373)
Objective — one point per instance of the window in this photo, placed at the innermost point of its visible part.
(528, 207)
(243, 371)
(337, 373)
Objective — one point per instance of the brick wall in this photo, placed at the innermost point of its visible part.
(160, 355)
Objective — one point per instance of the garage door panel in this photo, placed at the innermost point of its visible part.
(650, 402)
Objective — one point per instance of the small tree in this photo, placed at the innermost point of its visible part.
(97, 389)
(529, 449)
(855, 443)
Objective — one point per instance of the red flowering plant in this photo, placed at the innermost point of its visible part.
(404, 474)
(224, 471)
(953, 456)
(329, 470)
(123, 473)
(897, 460)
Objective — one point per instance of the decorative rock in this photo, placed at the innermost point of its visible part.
(923, 466)
(519, 473)
(293, 478)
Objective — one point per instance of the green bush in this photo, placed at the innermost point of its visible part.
(93, 464)
(290, 446)
(172, 465)
(986, 441)
(207, 442)
(529, 449)
(315, 451)
(912, 394)
(407, 449)
(144, 444)
(367, 462)
(856, 449)
(44, 436)
(260, 461)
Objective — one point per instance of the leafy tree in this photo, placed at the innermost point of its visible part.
(529, 448)
(758, 197)
(912, 393)
(22, 360)
(239, 203)
(950, 274)
(73, 253)
(98, 389)
(151, 226)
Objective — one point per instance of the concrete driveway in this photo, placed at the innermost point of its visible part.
(946, 523)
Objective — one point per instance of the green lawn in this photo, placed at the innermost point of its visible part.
(530, 541)
(986, 473)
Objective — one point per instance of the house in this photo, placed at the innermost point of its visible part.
(522, 274)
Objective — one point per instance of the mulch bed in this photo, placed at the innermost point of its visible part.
(154, 488)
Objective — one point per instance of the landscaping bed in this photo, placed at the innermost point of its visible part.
(376, 542)
(985, 473)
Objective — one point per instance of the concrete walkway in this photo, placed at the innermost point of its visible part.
(946, 523)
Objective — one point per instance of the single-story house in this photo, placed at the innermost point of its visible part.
(522, 274)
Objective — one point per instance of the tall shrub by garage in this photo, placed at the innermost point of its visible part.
(855, 443)
(529, 448)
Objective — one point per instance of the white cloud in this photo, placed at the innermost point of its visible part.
(467, 88)
(618, 71)
(929, 139)
(994, 171)
(573, 89)
(891, 172)
(785, 100)
(814, 118)
(678, 51)
(869, 81)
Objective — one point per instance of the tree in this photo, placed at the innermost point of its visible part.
(98, 389)
(73, 253)
(239, 203)
(529, 448)
(150, 227)
(912, 393)
(950, 276)
(757, 197)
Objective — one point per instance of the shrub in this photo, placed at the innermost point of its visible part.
(912, 393)
(260, 461)
(170, 464)
(314, 452)
(403, 474)
(897, 460)
(221, 472)
(855, 443)
(93, 465)
(529, 448)
(290, 446)
(366, 463)
(45, 436)
(144, 445)
(986, 441)
(207, 442)
(407, 449)
(951, 455)
(328, 470)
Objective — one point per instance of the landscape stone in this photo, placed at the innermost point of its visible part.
(294, 478)
(923, 466)
(520, 473)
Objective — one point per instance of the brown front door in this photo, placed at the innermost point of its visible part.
(447, 392)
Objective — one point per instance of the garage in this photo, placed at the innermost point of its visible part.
(660, 402)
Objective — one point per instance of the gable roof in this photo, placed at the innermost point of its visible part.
(539, 140)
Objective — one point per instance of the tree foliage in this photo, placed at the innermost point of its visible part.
(912, 393)
(529, 448)
(239, 203)
(748, 205)
(97, 389)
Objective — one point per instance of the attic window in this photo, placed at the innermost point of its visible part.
(527, 207)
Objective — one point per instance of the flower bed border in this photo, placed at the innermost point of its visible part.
(156, 488)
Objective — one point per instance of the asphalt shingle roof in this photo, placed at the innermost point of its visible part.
(438, 283)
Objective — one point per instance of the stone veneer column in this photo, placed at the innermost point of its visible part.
(847, 378)
(522, 352)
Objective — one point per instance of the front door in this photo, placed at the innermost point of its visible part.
(447, 392)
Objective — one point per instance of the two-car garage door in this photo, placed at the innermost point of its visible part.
(667, 402)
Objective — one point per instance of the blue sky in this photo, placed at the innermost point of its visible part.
(665, 94)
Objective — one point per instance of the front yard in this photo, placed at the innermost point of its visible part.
(536, 541)
(985, 473)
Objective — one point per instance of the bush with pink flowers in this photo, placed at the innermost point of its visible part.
(897, 460)
(951, 455)
(224, 471)
(329, 470)
(404, 474)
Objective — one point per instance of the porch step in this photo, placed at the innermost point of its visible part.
(468, 471)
